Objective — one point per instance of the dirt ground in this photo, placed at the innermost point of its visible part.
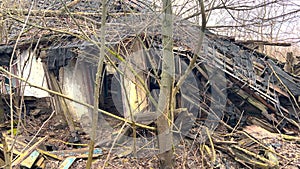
(247, 145)
(221, 153)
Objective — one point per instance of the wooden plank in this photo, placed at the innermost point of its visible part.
(286, 79)
(60, 103)
(29, 161)
(134, 96)
(6, 152)
(21, 144)
(28, 151)
(274, 87)
(40, 163)
(2, 112)
(67, 163)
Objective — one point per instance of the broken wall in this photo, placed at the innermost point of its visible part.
(30, 67)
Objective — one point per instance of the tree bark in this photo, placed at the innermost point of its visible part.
(164, 122)
(97, 86)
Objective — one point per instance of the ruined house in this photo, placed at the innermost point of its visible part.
(228, 75)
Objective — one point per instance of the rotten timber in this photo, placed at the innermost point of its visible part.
(249, 75)
(60, 103)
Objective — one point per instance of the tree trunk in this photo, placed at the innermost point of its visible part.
(164, 122)
(97, 87)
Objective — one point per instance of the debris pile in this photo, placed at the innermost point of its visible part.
(242, 110)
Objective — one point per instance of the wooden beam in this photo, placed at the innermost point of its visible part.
(60, 103)
(264, 43)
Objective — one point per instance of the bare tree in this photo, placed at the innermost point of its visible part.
(242, 19)
(98, 86)
(269, 21)
(164, 107)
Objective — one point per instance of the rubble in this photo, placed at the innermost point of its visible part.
(243, 109)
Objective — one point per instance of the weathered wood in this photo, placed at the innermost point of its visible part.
(274, 87)
(2, 112)
(40, 163)
(28, 151)
(258, 105)
(288, 66)
(133, 94)
(261, 123)
(66, 164)
(286, 79)
(246, 42)
(253, 94)
(60, 103)
(6, 152)
(30, 160)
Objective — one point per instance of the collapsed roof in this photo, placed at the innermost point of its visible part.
(256, 79)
